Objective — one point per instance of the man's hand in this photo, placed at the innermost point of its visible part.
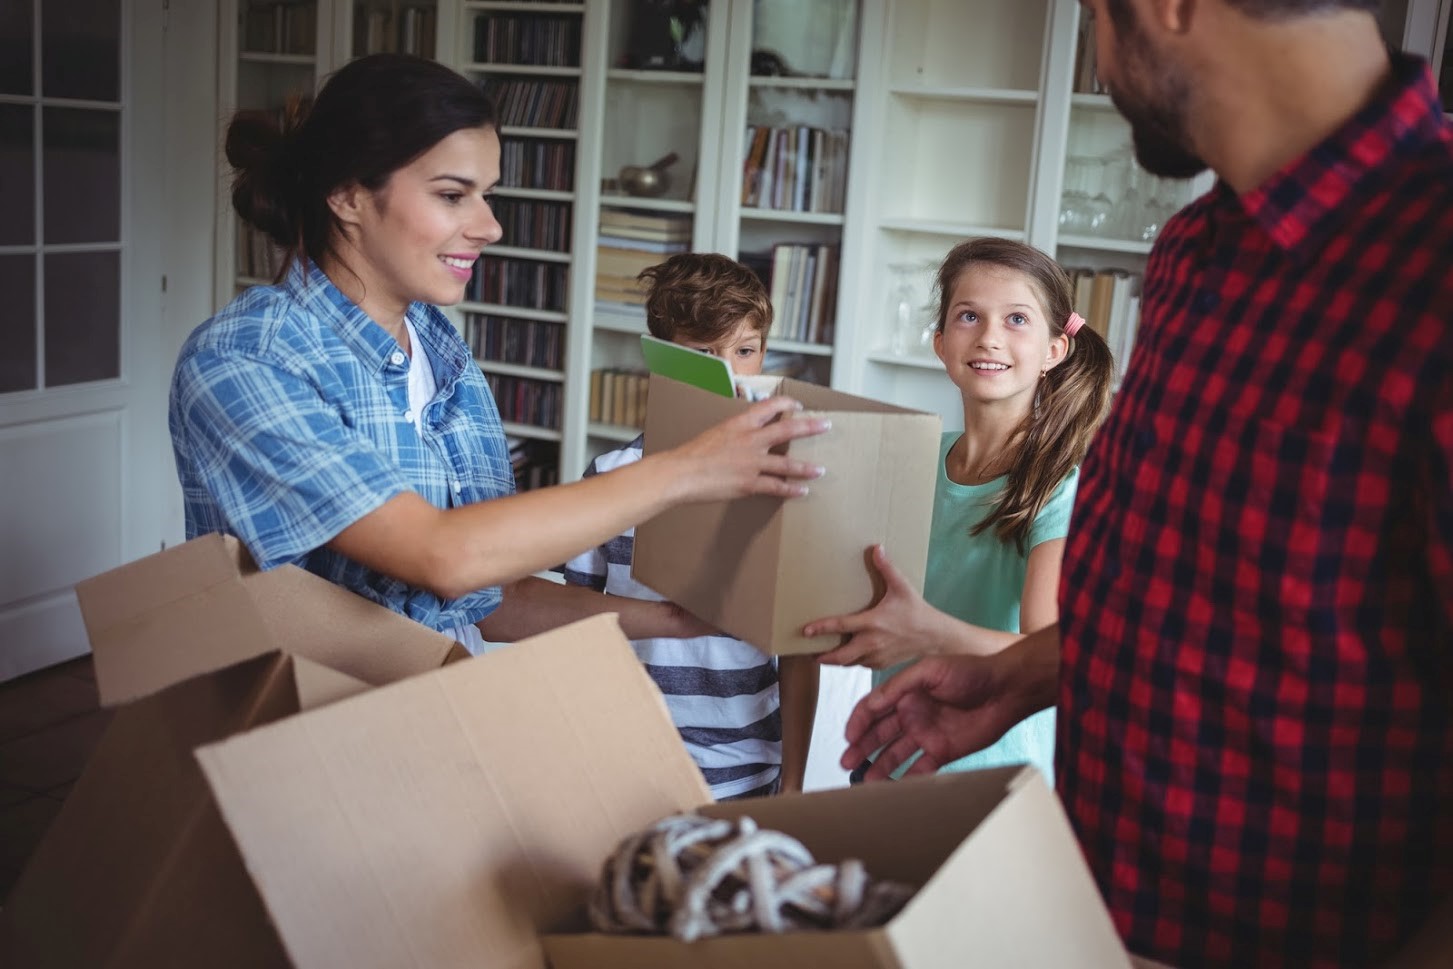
(951, 706)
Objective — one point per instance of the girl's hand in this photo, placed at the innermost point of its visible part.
(899, 627)
(733, 459)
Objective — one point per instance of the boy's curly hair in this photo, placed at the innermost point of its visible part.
(703, 296)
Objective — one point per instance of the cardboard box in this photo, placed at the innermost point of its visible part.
(760, 568)
(204, 606)
(449, 819)
(138, 868)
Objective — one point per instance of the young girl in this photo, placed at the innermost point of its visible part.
(1035, 384)
(335, 420)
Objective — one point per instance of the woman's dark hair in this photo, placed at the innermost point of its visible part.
(1073, 396)
(371, 118)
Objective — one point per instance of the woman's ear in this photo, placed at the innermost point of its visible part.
(347, 202)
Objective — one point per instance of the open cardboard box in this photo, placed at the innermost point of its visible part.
(203, 606)
(760, 568)
(451, 818)
(138, 868)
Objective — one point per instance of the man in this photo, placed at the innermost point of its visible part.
(1254, 660)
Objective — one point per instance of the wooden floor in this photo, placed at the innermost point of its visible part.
(49, 722)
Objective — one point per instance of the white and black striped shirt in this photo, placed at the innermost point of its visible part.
(722, 693)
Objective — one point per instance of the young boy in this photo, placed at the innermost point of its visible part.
(723, 694)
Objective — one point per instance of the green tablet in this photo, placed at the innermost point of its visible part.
(688, 366)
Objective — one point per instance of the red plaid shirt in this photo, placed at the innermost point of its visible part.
(1256, 705)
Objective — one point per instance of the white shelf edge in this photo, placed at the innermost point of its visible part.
(619, 321)
(788, 215)
(544, 194)
(638, 202)
(613, 432)
(559, 134)
(983, 95)
(523, 70)
(1105, 245)
(515, 429)
(519, 370)
(778, 345)
(524, 5)
(810, 83)
(252, 281)
(655, 77)
(918, 362)
(521, 252)
(961, 229)
(268, 57)
(1095, 102)
(518, 312)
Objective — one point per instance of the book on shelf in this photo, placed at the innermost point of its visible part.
(1109, 299)
(282, 27)
(665, 225)
(544, 39)
(618, 261)
(618, 396)
(387, 28)
(636, 244)
(802, 287)
(794, 168)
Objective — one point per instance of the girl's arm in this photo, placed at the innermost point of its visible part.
(1039, 606)
(797, 683)
(901, 626)
(459, 550)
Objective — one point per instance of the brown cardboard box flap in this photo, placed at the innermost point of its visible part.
(138, 869)
(444, 820)
(203, 606)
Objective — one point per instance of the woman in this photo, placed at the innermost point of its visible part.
(335, 420)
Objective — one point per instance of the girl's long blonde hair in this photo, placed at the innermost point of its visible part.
(1072, 399)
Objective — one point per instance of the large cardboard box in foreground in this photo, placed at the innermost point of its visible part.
(138, 868)
(760, 568)
(448, 819)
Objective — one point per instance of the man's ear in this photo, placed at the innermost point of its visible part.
(1173, 16)
(347, 203)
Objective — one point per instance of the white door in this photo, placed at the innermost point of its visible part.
(85, 467)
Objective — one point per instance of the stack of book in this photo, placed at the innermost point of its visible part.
(618, 397)
(1109, 300)
(630, 241)
(387, 28)
(804, 292)
(797, 168)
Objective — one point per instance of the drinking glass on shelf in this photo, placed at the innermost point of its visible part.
(1073, 214)
(902, 309)
(1098, 208)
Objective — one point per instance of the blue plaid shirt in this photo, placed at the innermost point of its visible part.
(288, 419)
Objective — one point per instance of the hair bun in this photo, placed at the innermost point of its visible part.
(263, 184)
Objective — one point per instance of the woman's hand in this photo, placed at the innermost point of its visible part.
(899, 627)
(733, 459)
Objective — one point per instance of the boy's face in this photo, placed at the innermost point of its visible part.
(743, 348)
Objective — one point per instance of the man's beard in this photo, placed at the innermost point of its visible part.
(1157, 120)
(1159, 143)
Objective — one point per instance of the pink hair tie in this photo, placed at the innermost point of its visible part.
(1073, 324)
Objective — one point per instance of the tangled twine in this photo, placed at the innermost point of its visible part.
(695, 877)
